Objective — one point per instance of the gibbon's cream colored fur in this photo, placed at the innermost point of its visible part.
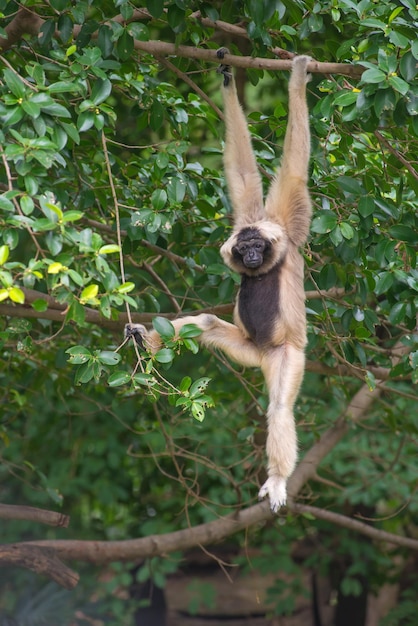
(269, 329)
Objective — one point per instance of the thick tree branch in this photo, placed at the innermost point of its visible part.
(41, 560)
(162, 48)
(56, 313)
(26, 22)
(212, 532)
(32, 514)
(100, 552)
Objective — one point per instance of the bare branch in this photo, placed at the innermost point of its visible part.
(351, 524)
(27, 22)
(396, 154)
(39, 560)
(357, 408)
(100, 552)
(162, 48)
(186, 79)
(32, 514)
(205, 534)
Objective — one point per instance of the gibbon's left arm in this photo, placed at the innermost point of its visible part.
(288, 201)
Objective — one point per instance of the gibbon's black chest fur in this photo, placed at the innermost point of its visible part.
(258, 304)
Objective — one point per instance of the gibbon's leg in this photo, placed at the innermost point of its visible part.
(288, 199)
(244, 181)
(283, 369)
(216, 333)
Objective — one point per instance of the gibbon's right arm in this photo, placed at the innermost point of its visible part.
(242, 175)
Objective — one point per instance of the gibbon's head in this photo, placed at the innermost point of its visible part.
(255, 249)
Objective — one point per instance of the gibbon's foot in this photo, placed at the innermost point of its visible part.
(137, 332)
(275, 489)
(224, 69)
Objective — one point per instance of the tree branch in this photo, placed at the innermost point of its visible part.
(41, 560)
(162, 48)
(396, 154)
(27, 22)
(351, 524)
(32, 514)
(100, 552)
(212, 532)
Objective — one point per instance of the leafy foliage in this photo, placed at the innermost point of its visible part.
(112, 207)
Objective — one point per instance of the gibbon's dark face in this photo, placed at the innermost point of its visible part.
(251, 249)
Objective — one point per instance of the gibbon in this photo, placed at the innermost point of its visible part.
(269, 329)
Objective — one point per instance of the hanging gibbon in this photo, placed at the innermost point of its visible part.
(269, 329)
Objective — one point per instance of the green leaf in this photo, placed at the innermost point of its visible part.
(144, 379)
(198, 411)
(373, 76)
(64, 86)
(199, 386)
(189, 331)
(85, 121)
(31, 108)
(399, 40)
(185, 384)
(16, 295)
(165, 355)
(347, 230)
(14, 83)
(72, 216)
(101, 90)
(40, 305)
(159, 199)
(366, 206)
(408, 67)
(110, 248)
(71, 131)
(71, 50)
(56, 109)
(108, 357)
(4, 254)
(118, 378)
(399, 84)
(126, 287)
(397, 313)
(164, 328)
(324, 222)
(78, 355)
(191, 345)
(156, 116)
(403, 233)
(351, 185)
(155, 7)
(6, 204)
(89, 293)
(176, 190)
(125, 46)
(27, 205)
(384, 283)
(345, 98)
(85, 373)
